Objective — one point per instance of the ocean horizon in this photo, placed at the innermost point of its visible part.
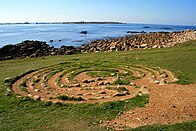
(58, 35)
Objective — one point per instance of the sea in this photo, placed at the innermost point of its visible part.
(57, 35)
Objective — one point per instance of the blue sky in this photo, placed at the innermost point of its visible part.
(130, 11)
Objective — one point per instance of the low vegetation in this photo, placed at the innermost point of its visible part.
(23, 85)
(63, 97)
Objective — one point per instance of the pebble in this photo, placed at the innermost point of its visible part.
(162, 82)
(102, 92)
(36, 90)
(112, 74)
(107, 83)
(86, 81)
(99, 79)
(132, 84)
(29, 95)
(83, 85)
(124, 93)
(77, 85)
(100, 97)
(101, 83)
(156, 82)
(164, 76)
(175, 80)
(36, 98)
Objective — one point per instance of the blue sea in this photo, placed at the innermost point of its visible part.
(69, 34)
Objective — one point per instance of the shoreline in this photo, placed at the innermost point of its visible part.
(81, 22)
(34, 49)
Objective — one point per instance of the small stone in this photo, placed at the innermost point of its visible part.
(101, 121)
(107, 83)
(86, 81)
(101, 83)
(176, 79)
(99, 79)
(156, 82)
(80, 94)
(126, 72)
(164, 75)
(36, 90)
(162, 82)
(7, 79)
(102, 92)
(124, 93)
(61, 85)
(88, 94)
(174, 106)
(92, 81)
(56, 94)
(29, 95)
(153, 76)
(77, 85)
(83, 85)
(138, 118)
(143, 45)
(36, 98)
(155, 46)
(112, 74)
(132, 84)
(100, 97)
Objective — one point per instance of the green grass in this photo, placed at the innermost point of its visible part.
(36, 80)
(51, 74)
(121, 82)
(25, 114)
(23, 85)
(63, 97)
(99, 74)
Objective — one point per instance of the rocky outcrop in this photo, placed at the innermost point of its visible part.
(83, 32)
(140, 41)
(33, 49)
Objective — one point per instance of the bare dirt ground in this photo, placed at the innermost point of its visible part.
(168, 102)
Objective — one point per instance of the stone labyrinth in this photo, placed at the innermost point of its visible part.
(90, 83)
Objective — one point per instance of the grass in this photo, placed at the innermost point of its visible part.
(51, 74)
(99, 74)
(23, 85)
(36, 80)
(121, 82)
(26, 114)
(63, 97)
(89, 70)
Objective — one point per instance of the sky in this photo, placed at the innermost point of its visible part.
(178, 12)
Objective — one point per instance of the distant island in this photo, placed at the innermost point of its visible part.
(81, 22)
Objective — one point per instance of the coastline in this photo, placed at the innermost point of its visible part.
(34, 49)
(81, 22)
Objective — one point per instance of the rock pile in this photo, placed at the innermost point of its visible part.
(33, 49)
(141, 41)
